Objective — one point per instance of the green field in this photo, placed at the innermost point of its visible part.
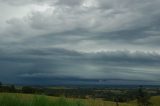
(10, 99)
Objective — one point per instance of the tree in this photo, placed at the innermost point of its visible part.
(0, 84)
(12, 88)
(117, 101)
(143, 97)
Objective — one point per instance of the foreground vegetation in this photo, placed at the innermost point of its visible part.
(12, 99)
(7, 99)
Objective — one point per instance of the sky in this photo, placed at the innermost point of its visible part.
(80, 41)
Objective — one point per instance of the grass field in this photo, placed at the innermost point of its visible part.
(8, 99)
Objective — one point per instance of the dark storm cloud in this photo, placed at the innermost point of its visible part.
(79, 40)
(60, 64)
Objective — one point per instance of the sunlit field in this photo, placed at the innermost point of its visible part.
(12, 99)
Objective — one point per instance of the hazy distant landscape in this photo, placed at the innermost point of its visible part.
(11, 95)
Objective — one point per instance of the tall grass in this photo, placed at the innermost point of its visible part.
(7, 99)
(14, 100)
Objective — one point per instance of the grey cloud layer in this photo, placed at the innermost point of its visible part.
(73, 31)
(124, 21)
(53, 64)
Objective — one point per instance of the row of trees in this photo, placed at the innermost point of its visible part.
(24, 89)
(7, 88)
